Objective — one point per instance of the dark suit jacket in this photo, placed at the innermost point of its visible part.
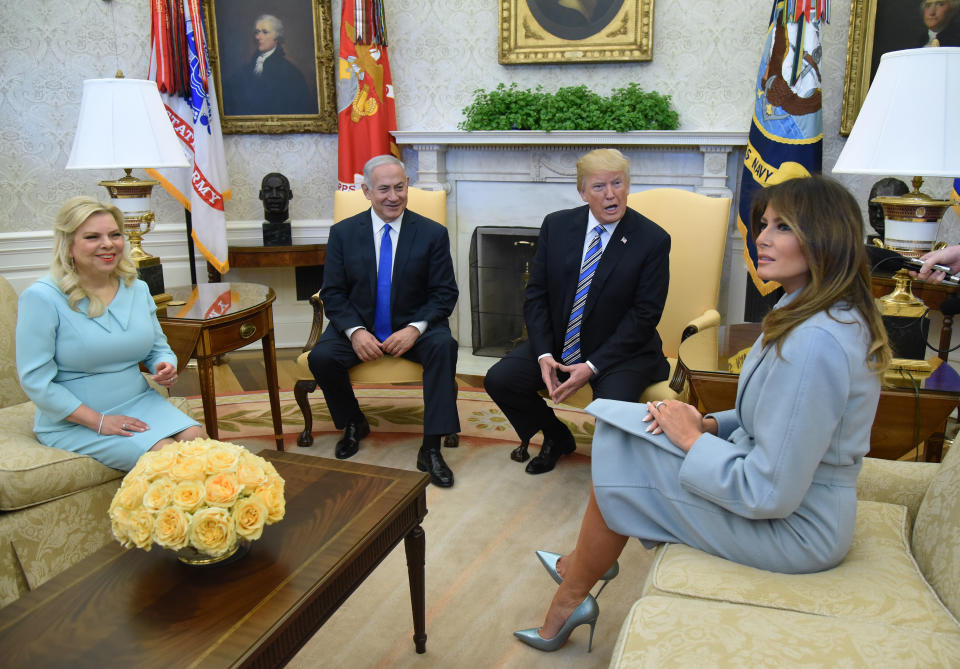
(950, 35)
(280, 89)
(626, 295)
(423, 287)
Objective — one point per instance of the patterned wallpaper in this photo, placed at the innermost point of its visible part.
(705, 56)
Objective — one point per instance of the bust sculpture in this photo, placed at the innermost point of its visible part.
(275, 194)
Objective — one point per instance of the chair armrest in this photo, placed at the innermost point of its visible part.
(708, 319)
(317, 326)
(895, 482)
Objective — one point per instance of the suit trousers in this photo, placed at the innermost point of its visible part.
(436, 350)
(515, 381)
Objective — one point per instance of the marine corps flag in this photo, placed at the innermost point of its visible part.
(366, 111)
(786, 135)
(178, 63)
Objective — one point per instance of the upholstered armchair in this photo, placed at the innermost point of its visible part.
(433, 205)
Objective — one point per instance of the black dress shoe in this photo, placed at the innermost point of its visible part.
(352, 434)
(550, 452)
(432, 462)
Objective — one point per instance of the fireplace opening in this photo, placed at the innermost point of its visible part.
(500, 261)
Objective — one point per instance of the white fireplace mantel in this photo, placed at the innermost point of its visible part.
(711, 148)
(513, 178)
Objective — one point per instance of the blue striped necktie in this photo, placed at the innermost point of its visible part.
(381, 321)
(571, 341)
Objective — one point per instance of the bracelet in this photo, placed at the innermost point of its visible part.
(100, 426)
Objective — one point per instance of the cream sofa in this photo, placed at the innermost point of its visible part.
(892, 602)
(53, 503)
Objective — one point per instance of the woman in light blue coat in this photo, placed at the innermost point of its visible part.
(82, 332)
(772, 482)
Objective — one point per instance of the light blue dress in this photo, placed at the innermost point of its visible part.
(66, 359)
(776, 488)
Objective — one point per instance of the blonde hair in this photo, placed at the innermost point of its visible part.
(827, 222)
(74, 213)
(602, 160)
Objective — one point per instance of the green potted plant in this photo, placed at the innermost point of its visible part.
(569, 108)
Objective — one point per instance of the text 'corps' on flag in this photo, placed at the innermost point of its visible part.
(178, 63)
(786, 134)
(365, 105)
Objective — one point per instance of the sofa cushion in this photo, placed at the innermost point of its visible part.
(678, 632)
(31, 473)
(10, 391)
(878, 580)
(936, 534)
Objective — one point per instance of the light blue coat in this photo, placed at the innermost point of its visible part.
(776, 488)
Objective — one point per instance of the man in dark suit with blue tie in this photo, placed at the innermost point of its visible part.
(595, 295)
(388, 288)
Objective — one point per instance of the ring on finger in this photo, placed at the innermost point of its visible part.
(659, 404)
(123, 426)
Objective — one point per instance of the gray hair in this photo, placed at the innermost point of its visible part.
(954, 5)
(274, 21)
(378, 161)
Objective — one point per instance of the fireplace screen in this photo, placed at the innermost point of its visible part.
(500, 260)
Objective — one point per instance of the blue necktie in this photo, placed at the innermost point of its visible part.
(571, 341)
(381, 321)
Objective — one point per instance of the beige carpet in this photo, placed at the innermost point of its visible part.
(388, 408)
(482, 578)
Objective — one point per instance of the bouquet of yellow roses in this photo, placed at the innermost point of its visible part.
(204, 494)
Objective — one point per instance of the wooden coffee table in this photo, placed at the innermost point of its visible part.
(146, 609)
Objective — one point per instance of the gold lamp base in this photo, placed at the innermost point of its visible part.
(132, 196)
(912, 220)
(901, 301)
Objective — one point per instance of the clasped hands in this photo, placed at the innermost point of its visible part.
(580, 374)
(368, 347)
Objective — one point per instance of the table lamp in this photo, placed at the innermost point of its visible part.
(123, 124)
(909, 125)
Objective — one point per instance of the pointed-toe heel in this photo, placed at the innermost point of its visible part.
(585, 614)
(549, 561)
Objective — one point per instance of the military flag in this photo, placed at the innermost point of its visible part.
(786, 133)
(178, 63)
(365, 103)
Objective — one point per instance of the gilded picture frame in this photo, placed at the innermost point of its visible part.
(575, 31)
(876, 27)
(292, 89)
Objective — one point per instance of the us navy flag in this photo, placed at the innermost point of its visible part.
(786, 135)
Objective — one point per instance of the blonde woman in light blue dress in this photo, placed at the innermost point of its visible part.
(82, 332)
(771, 483)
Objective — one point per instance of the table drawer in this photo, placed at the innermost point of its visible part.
(231, 336)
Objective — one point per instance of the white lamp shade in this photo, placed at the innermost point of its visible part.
(909, 123)
(123, 124)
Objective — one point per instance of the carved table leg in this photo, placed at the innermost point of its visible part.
(415, 544)
(301, 389)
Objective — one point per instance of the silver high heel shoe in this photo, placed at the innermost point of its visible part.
(585, 614)
(549, 562)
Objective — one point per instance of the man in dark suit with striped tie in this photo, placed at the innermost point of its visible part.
(595, 295)
(388, 289)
